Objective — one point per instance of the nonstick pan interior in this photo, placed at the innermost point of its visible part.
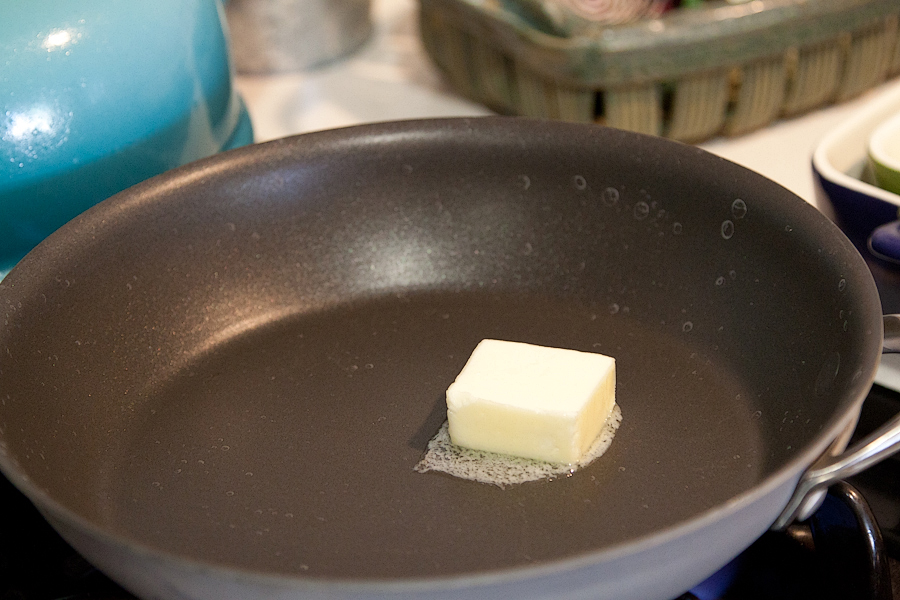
(242, 361)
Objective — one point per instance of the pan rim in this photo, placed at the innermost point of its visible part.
(786, 474)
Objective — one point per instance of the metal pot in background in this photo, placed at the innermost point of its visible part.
(291, 35)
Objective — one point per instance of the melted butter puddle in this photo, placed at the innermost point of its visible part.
(501, 469)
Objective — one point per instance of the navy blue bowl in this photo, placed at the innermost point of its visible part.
(858, 212)
(842, 173)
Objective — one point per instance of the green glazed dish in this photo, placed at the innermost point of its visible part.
(884, 154)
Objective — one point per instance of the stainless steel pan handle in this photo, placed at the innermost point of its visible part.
(832, 467)
(891, 344)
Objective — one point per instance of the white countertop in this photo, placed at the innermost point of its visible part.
(392, 78)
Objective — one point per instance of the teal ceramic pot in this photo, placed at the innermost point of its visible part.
(97, 95)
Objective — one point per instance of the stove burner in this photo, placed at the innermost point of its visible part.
(838, 554)
(36, 564)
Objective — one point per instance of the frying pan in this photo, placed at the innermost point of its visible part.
(217, 383)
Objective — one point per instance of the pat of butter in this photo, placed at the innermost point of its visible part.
(531, 401)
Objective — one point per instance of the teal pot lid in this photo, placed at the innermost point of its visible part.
(97, 95)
